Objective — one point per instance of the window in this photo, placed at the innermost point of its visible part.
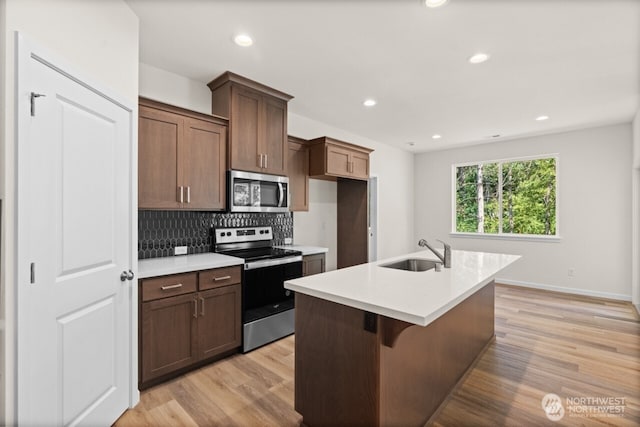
(507, 197)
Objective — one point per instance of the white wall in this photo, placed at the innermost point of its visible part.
(99, 39)
(635, 228)
(393, 167)
(594, 210)
(319, 226)
(636, 140)
(181, 91)
(3, 346)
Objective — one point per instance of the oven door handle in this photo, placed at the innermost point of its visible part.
(280, 194)
(271, 262)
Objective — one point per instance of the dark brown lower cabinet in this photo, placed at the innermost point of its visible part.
(313, 264)
(219, 320)
(168, 336)
(178, 332)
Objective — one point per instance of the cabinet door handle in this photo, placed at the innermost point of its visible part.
(201, 306)
(266, 159)
(259, 160)
(217, 279)
(167, 287)
(181, 194)
(188, 194)
(195, 308)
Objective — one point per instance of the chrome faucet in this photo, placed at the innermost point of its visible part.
(446, 259)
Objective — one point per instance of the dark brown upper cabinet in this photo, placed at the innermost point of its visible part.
(181, 158)
(331, 159)
(257, 123)
(298, 165)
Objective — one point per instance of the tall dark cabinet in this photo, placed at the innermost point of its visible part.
(353, 244)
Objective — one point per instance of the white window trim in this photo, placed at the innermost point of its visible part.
(505, 236)
(508, 236)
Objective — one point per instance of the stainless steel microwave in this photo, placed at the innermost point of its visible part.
(256, 192)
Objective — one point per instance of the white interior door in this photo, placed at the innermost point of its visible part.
(74, 238)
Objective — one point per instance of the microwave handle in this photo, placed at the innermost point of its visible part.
(280, 194)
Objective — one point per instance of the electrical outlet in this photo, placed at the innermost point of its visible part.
(571, 272)
(288, 240)
(180, 250)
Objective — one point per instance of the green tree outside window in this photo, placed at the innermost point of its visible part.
(507, 197)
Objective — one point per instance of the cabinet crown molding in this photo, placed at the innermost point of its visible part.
(297, 140)
(228, 76)
(328, 140)
(158, 105)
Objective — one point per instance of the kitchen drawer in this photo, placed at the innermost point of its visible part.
(218, 277)
(168, 286)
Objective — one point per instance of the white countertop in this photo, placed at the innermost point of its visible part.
(306, 250)
(414, 297)
(184, 263)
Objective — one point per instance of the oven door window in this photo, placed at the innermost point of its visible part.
(264, 293)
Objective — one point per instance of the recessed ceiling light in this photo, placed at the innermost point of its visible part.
(434, 3)
(478, 58)
(542, 118)
(436, 136)
(369, 102)
(243, 40)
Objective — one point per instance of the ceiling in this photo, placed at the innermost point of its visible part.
(576, 61)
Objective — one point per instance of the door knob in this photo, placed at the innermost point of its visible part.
(126, 275)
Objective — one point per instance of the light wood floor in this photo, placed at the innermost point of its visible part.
(545, 343)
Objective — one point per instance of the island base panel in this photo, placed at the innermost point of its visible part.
(426, 363)
(336, 366)
(396, 375)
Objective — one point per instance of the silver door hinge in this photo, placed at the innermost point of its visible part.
(33, 272)
(33, 103)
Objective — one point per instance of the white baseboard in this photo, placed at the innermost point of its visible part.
(574, 291)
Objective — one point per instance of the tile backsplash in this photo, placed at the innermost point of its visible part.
(160, 231)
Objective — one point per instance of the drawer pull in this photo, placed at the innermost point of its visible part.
(217, 279)
(167, 287)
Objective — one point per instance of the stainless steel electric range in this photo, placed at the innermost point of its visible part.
(267, 307)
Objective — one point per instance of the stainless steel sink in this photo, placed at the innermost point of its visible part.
(412, 264)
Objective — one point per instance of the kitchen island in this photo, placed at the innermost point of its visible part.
(378, 346)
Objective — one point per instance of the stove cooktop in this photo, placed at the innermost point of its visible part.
(255, 254)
